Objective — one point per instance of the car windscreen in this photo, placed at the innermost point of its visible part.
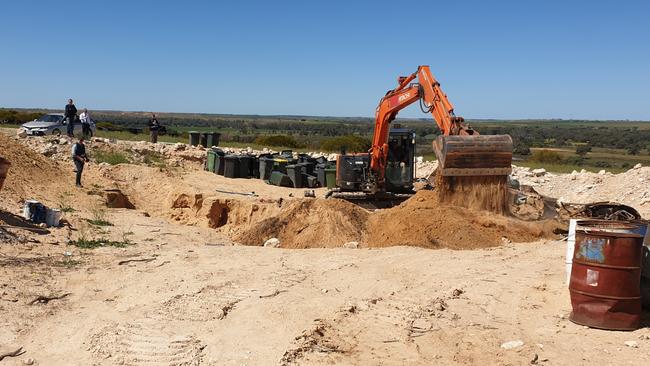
(51, 118)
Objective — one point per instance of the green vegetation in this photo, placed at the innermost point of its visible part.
(546, 157)
(99, 222)
(348, 143)
(84, 243)
(64, 202)
(99, 217)
(613, 145)
(68, 262)
(112, 158)
(582, 150)
(278, 140)
(152, 158)
(12, 117)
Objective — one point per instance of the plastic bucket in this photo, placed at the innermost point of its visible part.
(330, 178)
(245, 162)
(194, 137)
(53, 217)
(35, 212)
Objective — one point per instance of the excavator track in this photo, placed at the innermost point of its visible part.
(370, 201)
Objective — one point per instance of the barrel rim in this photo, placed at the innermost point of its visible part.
(605, 233)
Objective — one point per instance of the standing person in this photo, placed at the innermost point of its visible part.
(70, 116)
(80, 159)
(85, 123)
(154, 126)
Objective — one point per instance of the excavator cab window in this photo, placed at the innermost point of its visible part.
(401, 156)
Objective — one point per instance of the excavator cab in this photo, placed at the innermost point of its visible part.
(400, 167)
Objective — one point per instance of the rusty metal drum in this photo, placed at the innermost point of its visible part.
(605, 277)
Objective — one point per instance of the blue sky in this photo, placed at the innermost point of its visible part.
(494, 59)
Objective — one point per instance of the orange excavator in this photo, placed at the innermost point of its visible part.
(461, 151)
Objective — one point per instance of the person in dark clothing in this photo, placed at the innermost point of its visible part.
(154, 126)
(80, 159)
(70, 116)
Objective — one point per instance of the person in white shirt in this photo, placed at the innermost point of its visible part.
(85, 123)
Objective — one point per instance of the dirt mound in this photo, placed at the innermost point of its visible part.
(310, 224)
(31, 174)
(423, 221)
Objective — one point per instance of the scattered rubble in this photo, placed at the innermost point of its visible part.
(631, 187)
(512, 344)
(351, 245)
(632, 344)
(272, 243)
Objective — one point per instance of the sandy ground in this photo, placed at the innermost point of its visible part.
(201, 301)
(183, 293)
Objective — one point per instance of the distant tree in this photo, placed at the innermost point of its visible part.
(582, 150)
(521, 149)
(633, 150)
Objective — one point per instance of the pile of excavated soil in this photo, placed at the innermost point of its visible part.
(425, 222)
(32, 175)
(421, 221)
(312, 223)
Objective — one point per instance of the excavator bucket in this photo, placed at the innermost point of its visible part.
(473, 155)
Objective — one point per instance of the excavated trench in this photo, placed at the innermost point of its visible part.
(421, 221)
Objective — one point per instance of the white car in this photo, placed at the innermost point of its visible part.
(53, 124)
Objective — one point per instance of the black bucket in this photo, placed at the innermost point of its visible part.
(194, 137)
(265, 167)
(219, 164)
(231, 166)
(294, 172)
(244, 166)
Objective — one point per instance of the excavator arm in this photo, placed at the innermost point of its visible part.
(460, 150)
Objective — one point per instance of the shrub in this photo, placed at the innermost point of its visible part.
(278, 140)
(15, 117)
(633, 150)
(575, 160)
(97, 243)
(602, 164)
(582, 150)
(546, 156)
(521, 149)
(348, 143)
